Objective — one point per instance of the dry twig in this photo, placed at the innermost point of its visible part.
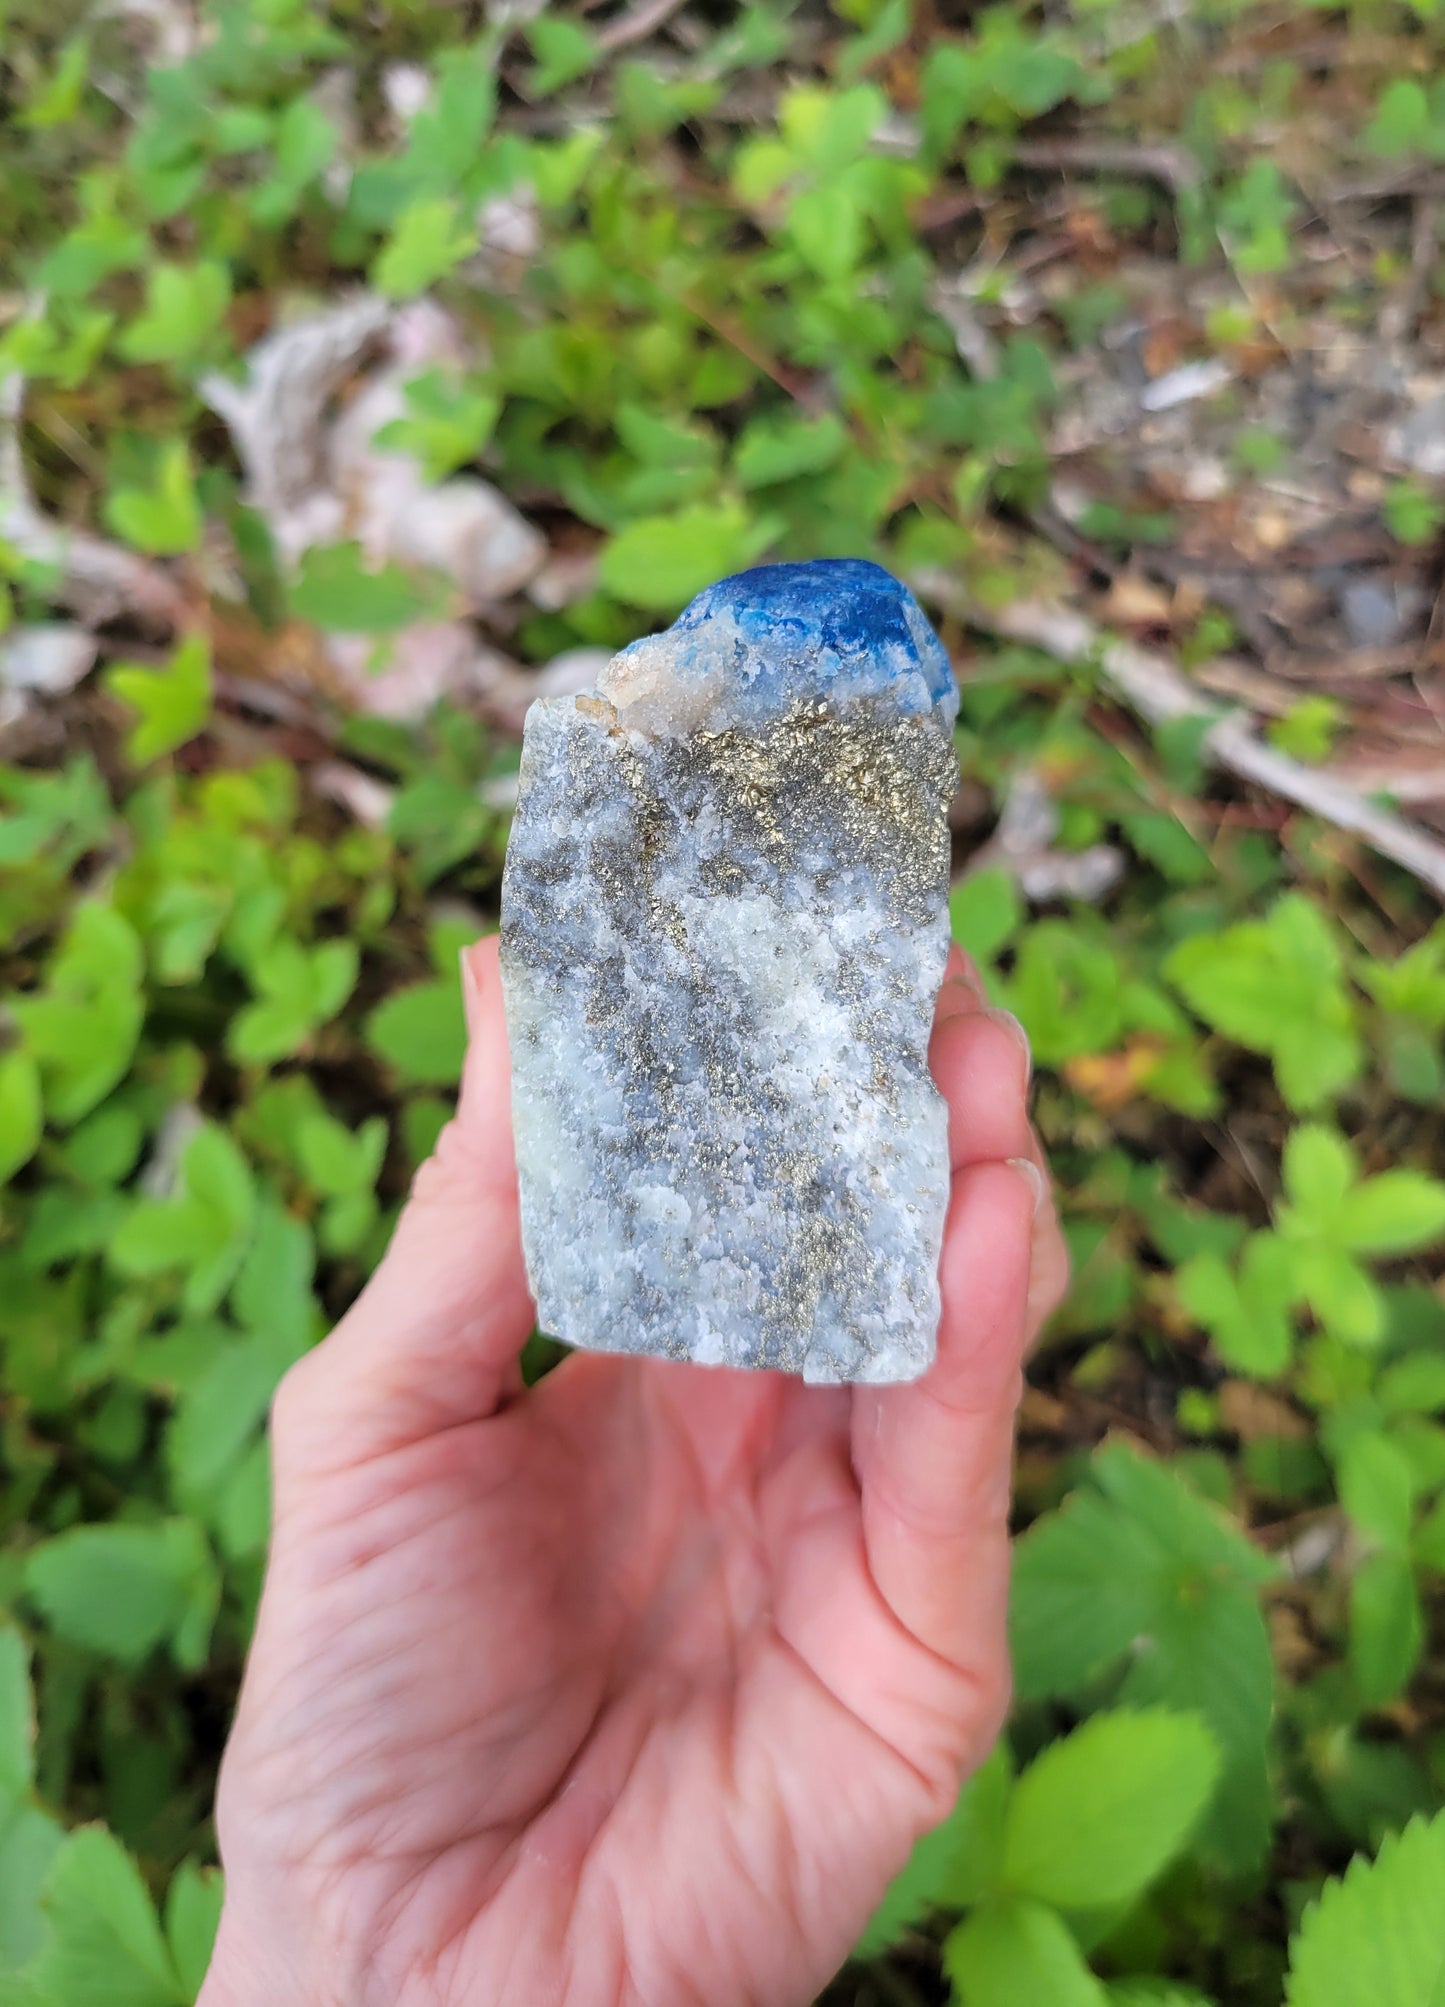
(1174, 166)
(1160, 692)
(636, 25)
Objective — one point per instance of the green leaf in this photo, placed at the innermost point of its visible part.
(1137, 1570)
(300, 989)
(202, 1231)
(339, 1161)
(1275, 986)
(827, 224)
(890, 25)
(422, 1032)
(216, 1418)
(659, 562)
(1009, 1954)
(1068, 989)
(184, 307)
(1212, 1656)
(21, 1119)
(565, 50)
(1376, 1936)
(1340, 1293)
(1377, 1489)
(774, 448)
(428, 240)
(1394, 1213)
(106, 1948)
(335, 590)
(172, 702)
(1319, 1168)
(56, 99)
(1309, 728)
(120, 1590)
(447, 422)
(1402, 122)
(1387, 1627)
(650, 105)
(29, 1841)
(1414, 1385)
(83, 1027)
(1245, 1309)
(17, 1716)
(334, 969)
(831, 129)
(193, 1914)
(1101, 1814)
(104, 1148)
(761, 167)
(985, 911)
(1412, 512)
(165, 518)
(1413, 985)
(272, 1293)
(303, 146)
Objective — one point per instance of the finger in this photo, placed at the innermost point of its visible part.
(433, 1339)
(1049, 1267)
(980, 1063)
(961, 964)
(933, 1458)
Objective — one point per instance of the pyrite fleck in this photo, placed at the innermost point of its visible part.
(724, 921)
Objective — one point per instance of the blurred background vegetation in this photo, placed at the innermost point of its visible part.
(366, 370)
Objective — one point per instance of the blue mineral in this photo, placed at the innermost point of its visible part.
(833, 629)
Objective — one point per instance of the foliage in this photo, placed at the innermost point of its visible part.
(232, 1019)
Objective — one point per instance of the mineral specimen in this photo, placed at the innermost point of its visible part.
(724, 921)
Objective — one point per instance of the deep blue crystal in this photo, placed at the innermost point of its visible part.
(833, 628)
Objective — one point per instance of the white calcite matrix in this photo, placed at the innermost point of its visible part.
(724, 923)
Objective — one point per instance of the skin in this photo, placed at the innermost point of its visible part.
(639, 1686)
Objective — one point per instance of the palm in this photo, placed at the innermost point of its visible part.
(636, 1686)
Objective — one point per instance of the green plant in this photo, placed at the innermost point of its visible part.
(741, 263)
(1277, 985)
(1412, 514)
(1328, 1224)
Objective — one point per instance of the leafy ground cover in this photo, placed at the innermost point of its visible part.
(363, 371)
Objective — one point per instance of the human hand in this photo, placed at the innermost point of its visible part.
(640, 1685)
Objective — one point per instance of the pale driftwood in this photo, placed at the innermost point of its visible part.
(1160, 692)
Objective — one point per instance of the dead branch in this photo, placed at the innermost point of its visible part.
(1176, 168)
(1160, 692)
(636, 25)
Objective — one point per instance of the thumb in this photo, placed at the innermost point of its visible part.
(433, 1339)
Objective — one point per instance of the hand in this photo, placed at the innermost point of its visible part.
(640, 1685)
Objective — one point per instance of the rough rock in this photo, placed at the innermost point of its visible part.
(724, 922)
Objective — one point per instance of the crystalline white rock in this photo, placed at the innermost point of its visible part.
(724, 922)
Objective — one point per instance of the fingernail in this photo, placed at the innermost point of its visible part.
(1016, 1031)
(471, 990)
(1034, 1178)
